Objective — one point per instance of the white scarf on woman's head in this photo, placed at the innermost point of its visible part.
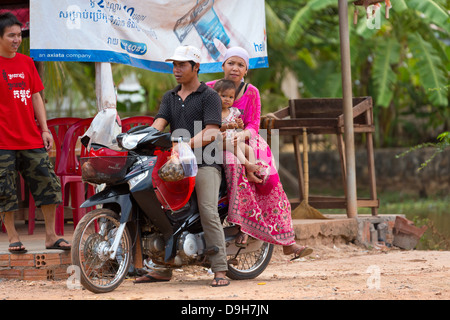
(237, 52)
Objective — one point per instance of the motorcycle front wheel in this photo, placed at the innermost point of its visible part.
(91, 244)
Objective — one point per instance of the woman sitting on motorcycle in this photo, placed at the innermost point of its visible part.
(261, 209)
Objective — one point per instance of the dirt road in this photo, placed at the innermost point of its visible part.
(346, 272)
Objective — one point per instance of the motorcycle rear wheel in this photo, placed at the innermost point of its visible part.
(91, 242)
(249, 265)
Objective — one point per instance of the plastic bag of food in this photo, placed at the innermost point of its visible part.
(181, 164)
(187, 159)
(172, 170)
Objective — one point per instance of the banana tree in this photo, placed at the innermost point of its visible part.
(402, 63)
(408, 68)
(69, 86)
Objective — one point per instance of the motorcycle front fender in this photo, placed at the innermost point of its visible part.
(119, 194)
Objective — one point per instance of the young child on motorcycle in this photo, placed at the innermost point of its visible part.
(230, 122)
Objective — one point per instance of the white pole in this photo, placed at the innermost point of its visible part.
(104, 86)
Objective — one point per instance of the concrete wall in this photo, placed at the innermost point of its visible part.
(391, 173)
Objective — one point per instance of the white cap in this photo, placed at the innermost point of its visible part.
(186, 53)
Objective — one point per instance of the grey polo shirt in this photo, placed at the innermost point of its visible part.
(189, 117)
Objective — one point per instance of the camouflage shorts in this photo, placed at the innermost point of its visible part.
(37, 171)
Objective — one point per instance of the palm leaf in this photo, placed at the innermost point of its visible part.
(154, 84)
(275, 26)
(386, 54)
(399, 5)
(432, 11)
(304, 18)
(53, 79)
(430, 69)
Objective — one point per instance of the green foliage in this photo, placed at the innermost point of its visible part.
(434, 238)
(154, 84)
(304, 18)
(387, 54)
(429, 68)
(402, 63)
(433, 11)
(443, 142)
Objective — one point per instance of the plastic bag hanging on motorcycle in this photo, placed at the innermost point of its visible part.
(181, 164)
(106, 162)
(104, 129)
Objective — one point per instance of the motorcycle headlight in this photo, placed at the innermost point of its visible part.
(135, 180)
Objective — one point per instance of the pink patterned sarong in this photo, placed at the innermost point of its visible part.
(262, 210)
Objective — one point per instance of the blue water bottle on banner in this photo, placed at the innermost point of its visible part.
(209, 28)
(206, 22)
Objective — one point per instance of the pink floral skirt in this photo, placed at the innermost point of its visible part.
(262, 210)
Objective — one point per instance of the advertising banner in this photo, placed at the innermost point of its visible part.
(143, 33)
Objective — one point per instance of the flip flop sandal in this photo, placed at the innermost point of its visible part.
(57, 246)
(220, 285)
(148, 279)
(17, 244)
(301, 252)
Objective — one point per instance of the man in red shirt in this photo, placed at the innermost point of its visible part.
(24, 145)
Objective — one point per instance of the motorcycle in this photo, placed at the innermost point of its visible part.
(142, 217)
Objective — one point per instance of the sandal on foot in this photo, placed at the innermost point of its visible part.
(57, 246)
(300, 252)
(241, 239)
(19, 245)
(146, 278)
(217, 280)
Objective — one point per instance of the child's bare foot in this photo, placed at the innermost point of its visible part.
(251, 177)
(251, 167)
(263, 171)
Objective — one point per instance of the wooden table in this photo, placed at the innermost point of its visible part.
(325, 116)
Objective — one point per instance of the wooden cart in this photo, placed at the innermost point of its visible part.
(325, 116)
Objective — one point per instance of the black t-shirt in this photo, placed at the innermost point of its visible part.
(189, 117)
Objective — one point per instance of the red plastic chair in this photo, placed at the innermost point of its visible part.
(131, 122)
(58, 128)
(69, 171)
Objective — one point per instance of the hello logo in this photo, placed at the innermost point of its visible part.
(259, 47)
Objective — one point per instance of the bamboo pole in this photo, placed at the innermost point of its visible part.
(347, 96)
(305, 166)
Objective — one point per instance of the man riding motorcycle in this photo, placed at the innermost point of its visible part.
(189, 103)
